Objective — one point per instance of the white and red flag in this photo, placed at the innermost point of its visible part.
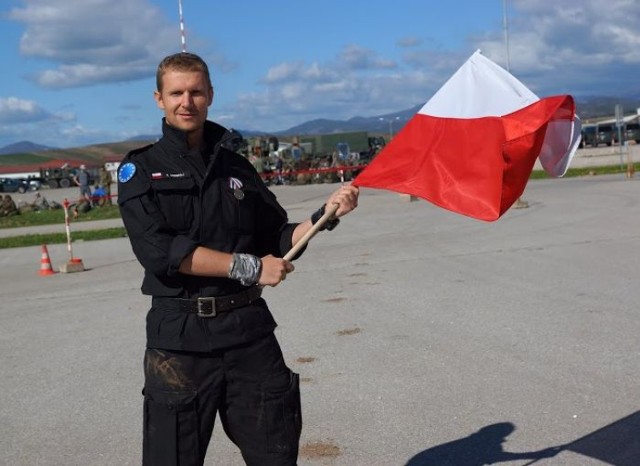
(473, 145)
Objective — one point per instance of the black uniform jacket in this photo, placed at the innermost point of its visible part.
(173, 200)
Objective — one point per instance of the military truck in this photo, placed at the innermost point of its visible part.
(362, 142)
(63, 177)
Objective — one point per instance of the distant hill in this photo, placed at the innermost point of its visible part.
(375, 124)
(145, 137)
(23, 146)
(603, 106)
(92, 156)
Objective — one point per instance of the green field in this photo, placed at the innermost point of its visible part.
(51, 217)
(588, 171)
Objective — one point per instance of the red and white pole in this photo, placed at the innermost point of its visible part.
(74, 264)
(67, 225)
(182, 33)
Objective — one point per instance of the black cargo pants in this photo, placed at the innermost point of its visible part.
(256, 395)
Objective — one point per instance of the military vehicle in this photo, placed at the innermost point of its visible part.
(63, 177)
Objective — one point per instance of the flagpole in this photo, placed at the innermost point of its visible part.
(519, 204)
(329, 212)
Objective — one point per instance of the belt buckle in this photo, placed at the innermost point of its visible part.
(207, 307)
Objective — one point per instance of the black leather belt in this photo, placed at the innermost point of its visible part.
(209, 306)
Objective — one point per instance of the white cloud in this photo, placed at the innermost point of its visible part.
(409, 42)
(357, 81)
(552, 35)
(79, 132)
(17, 111)
(26, 119)
(553, 44)
(97, 41)
(294, 92)
(356, 57)
(89, 74)
(283, 72)
(298, 70)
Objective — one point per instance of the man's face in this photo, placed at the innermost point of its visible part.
(185, 99)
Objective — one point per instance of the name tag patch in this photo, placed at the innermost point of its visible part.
(162, 176)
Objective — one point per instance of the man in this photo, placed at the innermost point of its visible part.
(40, 203)
(82, 179)
(8, 208)
(105, 180)
(99, 196)
(279, 170)
(257, 163)
(210, 235)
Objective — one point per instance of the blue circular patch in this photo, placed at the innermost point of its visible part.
(126, 172)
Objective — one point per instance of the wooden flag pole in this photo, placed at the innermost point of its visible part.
(328, 213)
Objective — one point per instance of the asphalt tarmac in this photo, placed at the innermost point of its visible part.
(422, 337)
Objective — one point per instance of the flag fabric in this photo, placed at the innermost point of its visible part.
(473, 145)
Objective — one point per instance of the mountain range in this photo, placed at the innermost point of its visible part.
(588, 108)
(23, 146)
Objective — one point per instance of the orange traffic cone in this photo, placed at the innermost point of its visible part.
(45, 262)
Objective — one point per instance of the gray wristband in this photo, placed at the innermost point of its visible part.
(245, 268)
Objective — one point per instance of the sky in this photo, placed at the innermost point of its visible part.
(79, 72)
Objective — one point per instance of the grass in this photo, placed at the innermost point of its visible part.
(588, 171)
(61, 238)
(51, 217)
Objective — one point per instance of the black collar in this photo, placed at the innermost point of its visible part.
(213, 135)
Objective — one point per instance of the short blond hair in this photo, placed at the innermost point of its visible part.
(183, 61)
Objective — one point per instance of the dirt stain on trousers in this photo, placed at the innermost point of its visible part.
(166, 369)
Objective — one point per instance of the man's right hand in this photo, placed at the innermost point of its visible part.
(274, 270)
